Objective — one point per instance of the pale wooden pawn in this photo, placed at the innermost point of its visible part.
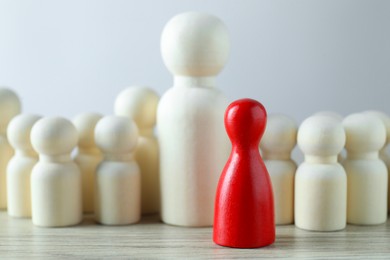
(20, 166)
(118, 179)
(320, 181)
(55, 179)
(278, 141)
(383, 153)
(140, 104)
(88, 157)
(9, 107)
(193, 143)
(367, 174)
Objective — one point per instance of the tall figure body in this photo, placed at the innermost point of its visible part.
(366, 173)
(20, 166)
(279, 140)
(9, 107)
(55, 179)
(140, 104)
(193, 142)
(244, 205)
(88, 157)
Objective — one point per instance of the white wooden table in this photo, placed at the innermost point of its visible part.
(152, 239)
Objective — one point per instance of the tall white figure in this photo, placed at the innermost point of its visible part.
(140, 104)
(118, 179)
(279, 140)
(193, 144)
(320, 181)
(88, 157)
(383, 153)
(9, 107)
(367, 174)
(20, 166)
(55, 179)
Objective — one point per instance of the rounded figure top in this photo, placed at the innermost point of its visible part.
(195, 44)
(385, 119)
(85, 124)
(321, 135)
(116, 135)
(19, 130)
(9, 107)
(54, 136)
(138, 103)
(245, 121)
(280, 134)
(365, 133)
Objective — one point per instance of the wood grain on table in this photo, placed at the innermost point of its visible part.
(152, 239)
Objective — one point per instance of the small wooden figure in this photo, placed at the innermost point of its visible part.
(9, 107)
(20, 166)
(88, 157)
(140, 104)
(320, 181)
(193, 143)
(55, 179)
(244, 205)
(383, 153)
(118, 179)
(279, 140)
(367, 174)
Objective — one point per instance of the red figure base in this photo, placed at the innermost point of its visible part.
(244, 205)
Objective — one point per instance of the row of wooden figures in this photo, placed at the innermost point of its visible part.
(55, 188)
(321, 193)
(329, 189)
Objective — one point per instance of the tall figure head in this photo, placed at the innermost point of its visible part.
(195, 44)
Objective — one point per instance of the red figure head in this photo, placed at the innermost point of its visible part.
(245, 121)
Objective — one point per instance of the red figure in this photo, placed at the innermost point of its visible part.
(244, 205)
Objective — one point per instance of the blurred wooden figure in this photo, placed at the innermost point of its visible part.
(320, 181)
(383, 153)
(20, 166)
(279, 140)
(244, 205)
(9, 107)
(118, 179)
(367, 174)
(140, 104)
(55, 179)
(88, 157)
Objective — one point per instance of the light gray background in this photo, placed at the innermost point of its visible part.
(296, 57)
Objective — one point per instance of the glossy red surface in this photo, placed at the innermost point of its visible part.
(244, 205)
